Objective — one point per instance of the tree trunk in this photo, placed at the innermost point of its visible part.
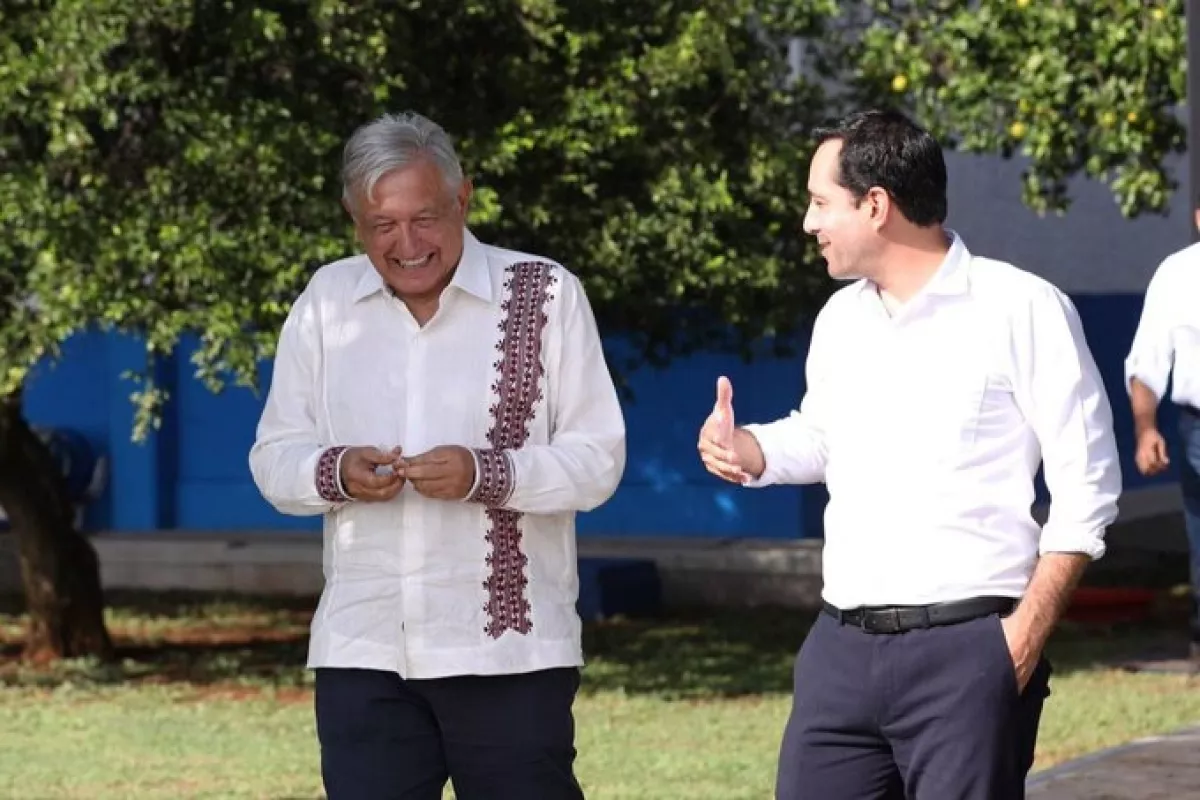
(59, 567)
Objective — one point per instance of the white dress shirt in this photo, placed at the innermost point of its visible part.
(511, 367)
(1167, 342)
(928, 428)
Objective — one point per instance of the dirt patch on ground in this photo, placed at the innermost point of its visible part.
(236, 693)
(198, 636)
(129, 642)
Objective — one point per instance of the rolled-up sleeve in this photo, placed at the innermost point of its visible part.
(794, 447)
(581, 466)
(1059, 390)
(293, 470)
(1151, 354)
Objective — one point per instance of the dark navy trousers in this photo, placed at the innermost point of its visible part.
(929, 714)
(494, 738)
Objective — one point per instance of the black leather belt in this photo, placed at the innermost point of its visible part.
(898, 619)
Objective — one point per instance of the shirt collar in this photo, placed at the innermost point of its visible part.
(472, 275)
(951, 277)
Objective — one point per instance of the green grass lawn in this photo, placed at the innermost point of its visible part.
(211, 700)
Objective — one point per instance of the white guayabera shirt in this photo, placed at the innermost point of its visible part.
(928, 428)
(1167, 343)
(511, 367)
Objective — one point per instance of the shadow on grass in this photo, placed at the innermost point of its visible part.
(696, 654)
(1076, 647)
(179, 637)
(731, 653)
(261, 643)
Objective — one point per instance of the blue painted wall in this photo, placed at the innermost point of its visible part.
(192, 473)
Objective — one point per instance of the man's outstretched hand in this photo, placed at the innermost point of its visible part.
(717, 446)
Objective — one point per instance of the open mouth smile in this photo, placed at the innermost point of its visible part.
(415, 263)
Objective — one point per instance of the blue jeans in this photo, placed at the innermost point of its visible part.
(1189, 433)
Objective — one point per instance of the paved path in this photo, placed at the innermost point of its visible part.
(1157, 768)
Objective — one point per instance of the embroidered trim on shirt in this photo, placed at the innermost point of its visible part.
(495, 484)
(517, 391)
(329, 484)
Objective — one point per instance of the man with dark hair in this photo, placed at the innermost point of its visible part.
(1166, 348)
(937, 382)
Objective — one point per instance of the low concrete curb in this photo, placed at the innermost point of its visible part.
(737, 572)
(694, 571)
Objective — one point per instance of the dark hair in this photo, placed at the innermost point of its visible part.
(888, 150)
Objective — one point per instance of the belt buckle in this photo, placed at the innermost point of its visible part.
(888, 620)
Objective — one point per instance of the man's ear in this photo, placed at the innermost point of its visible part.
(464, 197)
(879, 204)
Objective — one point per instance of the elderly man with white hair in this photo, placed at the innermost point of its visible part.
(446, 405)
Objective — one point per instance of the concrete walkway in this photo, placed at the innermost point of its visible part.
(1157, 768)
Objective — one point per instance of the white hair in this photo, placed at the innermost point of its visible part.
(390, 142)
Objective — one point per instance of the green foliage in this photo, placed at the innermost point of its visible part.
(1079, 87)
(171, 166)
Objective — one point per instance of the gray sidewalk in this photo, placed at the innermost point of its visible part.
(1157, 768)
